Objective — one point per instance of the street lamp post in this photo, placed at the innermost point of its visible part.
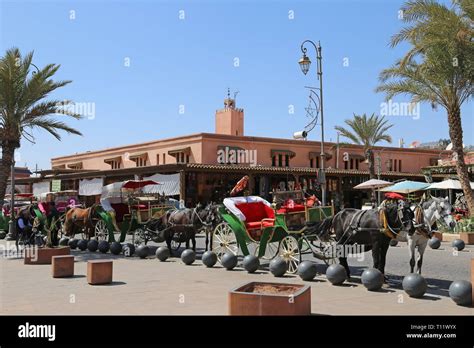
(305, 63)
(12, 223)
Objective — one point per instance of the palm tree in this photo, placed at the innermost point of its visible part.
(438, 68)
(367, 131)
(23, 108)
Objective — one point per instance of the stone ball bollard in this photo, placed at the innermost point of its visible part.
(229, 261)
(82, 244)
(209, 258)
(128, 249)
(115, 248)
(251, 263)
(372, 279)
(460, 292)
(92, 245)
(278, 267)
(458, 244)
(143, 251)
(414, 285)
(64, 241)
(336, 274)
(104, 246)
(434, 243)
(307, 270)
(162, 253)
(188, 256)
(73, 243)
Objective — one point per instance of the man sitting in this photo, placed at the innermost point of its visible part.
(23, 224)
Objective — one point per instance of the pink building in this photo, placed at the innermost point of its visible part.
(210, 163)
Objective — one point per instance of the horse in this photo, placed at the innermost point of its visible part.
(212, 220)
(183, 224)
(426, 214)
(372, 228)
(80, 218)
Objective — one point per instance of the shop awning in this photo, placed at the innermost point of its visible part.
(170, 184)
(113, 159)
(91, 187)
(185, 150)
(41, 188)
(135, 156)
(75, 165)
(276, 152)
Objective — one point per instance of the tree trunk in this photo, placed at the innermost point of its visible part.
(5, 170)
(455, 133)
(369, 155)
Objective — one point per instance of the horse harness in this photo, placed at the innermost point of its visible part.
(420, 225)
(389, 231)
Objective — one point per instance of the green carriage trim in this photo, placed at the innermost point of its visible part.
(270, 234)
(4, 220)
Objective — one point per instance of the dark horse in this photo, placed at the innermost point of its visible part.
(373, 229)
(182, 224)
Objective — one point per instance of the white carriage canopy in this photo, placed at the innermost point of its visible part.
(40, 188)
(91, 187)
(231, 204)
(169, 184)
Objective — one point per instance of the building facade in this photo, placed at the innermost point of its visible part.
(211, 163)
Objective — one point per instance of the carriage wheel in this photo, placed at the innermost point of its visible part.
(139, 237)
(271, 251)
(223, 240)
(289, 250)
(101, 231)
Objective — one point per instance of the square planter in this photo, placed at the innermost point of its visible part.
(263, 298)
(438, 235)
(467, 237)
(43, 256)
(449, 237)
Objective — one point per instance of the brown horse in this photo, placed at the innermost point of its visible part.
(82, 219)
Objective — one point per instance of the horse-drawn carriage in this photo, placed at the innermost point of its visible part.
(129, 210)
(253, 225)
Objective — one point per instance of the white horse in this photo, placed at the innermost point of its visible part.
(426, 214)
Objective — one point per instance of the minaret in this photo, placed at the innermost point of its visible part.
(230, 120)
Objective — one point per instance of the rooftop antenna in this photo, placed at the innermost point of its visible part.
(235, 96)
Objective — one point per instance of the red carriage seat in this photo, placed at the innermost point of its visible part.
(254, 213)
(139, 206)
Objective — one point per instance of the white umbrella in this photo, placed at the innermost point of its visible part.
(372, 184)
(449, 184)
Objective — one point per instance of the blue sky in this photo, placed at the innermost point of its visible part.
(191, 62)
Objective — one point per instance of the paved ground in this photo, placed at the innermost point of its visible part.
(153, 287)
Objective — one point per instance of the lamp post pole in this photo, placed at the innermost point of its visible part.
(12, 223)
(305, 62)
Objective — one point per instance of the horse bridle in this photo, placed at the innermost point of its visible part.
(400, 217)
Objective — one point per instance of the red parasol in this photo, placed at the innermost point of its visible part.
(394, 195)
(135, 184)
